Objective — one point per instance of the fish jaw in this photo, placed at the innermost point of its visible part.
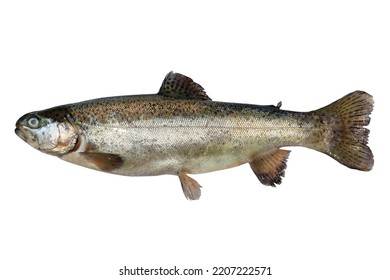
(20, 134)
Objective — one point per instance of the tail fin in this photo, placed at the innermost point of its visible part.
(347, 143)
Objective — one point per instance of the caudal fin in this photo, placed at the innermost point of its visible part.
(347, 142)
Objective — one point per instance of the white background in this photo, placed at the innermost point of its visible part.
(61, 221)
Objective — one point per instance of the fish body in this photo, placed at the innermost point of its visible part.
(181, 131)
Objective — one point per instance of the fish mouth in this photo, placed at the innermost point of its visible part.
(20, 134)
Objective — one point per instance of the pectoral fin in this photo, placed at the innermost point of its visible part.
(105, 162)
(270, 168)
(191, 188)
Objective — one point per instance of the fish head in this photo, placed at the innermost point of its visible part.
(48, 135)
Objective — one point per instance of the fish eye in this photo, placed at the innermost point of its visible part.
(33, 122)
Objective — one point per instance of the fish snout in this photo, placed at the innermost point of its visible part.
(26, 135)
(20, 134)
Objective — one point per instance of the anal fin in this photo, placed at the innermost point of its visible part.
(103, 161)
(270, 168)
(191, 188)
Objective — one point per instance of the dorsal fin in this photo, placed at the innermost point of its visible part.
(178, 86)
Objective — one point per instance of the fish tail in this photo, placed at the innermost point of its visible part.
(347, 138)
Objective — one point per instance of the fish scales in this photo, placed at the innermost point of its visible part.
(199, 136)
(180, 131)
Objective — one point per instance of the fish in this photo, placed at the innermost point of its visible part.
(181, 131)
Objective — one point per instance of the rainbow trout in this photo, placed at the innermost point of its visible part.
(180, 131)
